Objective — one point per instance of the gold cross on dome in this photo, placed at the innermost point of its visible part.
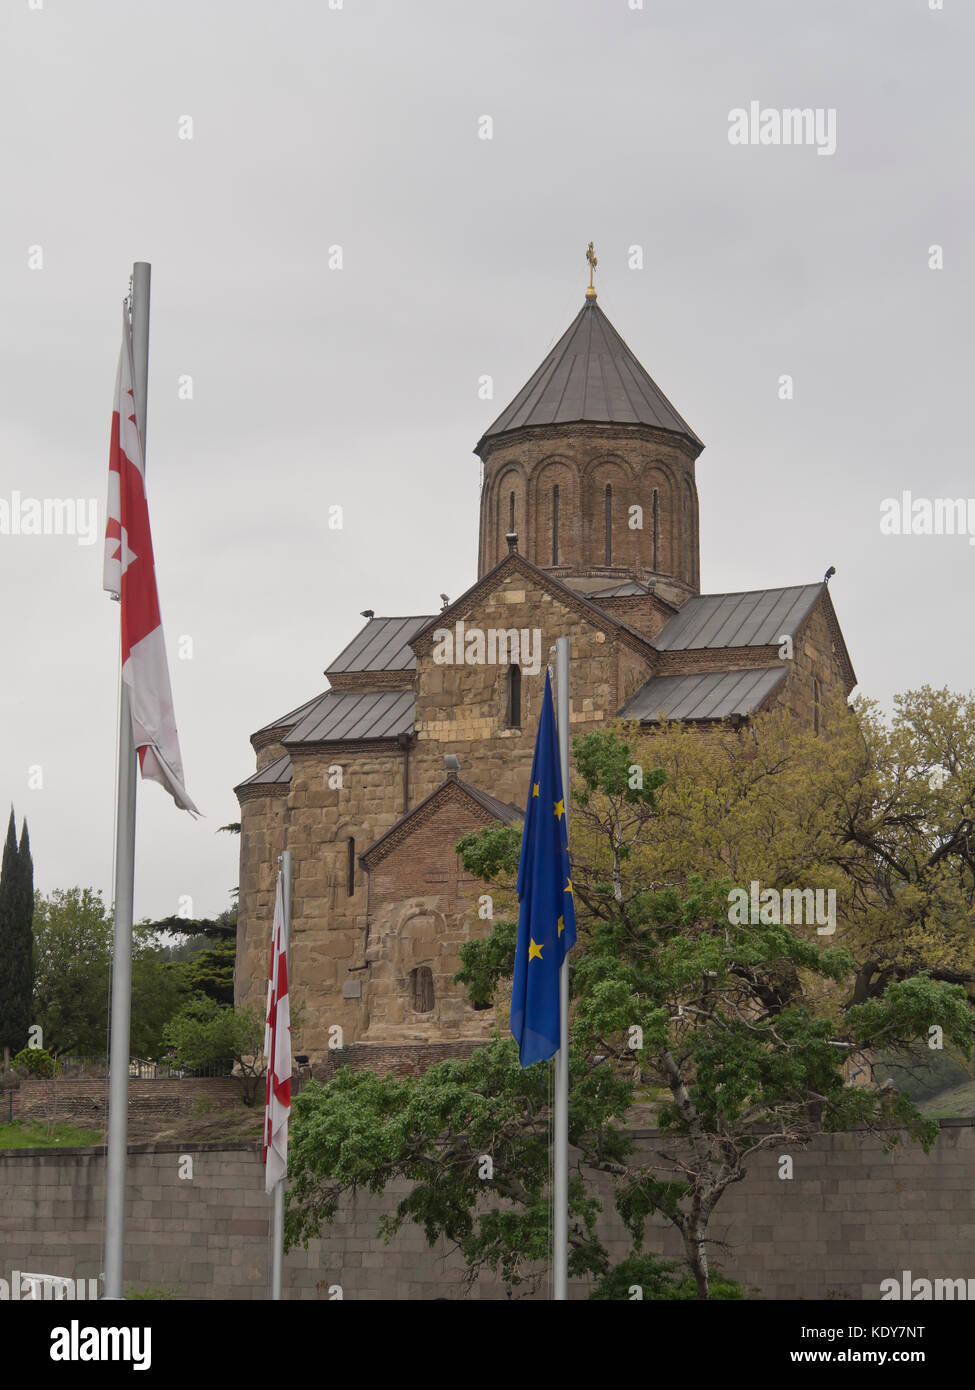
(591, 258)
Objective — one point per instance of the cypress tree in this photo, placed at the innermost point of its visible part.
(25, 874)
(9, 954)
(16, 946)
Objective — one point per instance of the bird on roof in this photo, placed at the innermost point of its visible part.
(829, 574)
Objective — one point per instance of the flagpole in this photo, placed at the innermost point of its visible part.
(118, 1065)
(560, 1136)
(277, 1225)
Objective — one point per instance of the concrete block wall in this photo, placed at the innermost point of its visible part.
(198, 1222)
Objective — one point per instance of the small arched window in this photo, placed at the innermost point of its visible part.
(817, 704)
(655, 514)
(350, 867)
(514, 697)
(609, 523)
(511, 511)
(555, 524)
(421, 989)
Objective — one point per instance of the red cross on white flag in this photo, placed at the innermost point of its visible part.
(130, 574)
(277, 1050)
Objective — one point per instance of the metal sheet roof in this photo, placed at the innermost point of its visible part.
(755, 619)
(274, 774)
(344, 715)
(503, 810)
(708, 695)
(291, 718)
(590, 375)
(382, 645)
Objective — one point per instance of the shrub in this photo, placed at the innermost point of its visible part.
(36, 1062)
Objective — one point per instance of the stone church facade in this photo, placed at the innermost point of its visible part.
(588, 530)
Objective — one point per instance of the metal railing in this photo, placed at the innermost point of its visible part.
(140, 1069)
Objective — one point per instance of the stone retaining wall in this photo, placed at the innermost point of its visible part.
(849, 1217)
(84, 1101)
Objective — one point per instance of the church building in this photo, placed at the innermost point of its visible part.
(588, 530)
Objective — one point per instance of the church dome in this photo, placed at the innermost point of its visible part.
(590, 376)
(589, 471)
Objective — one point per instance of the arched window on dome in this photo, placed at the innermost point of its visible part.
(655, 523)
(511, 511)
(609, 523)
(555, 524)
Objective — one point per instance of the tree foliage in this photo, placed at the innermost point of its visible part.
(73, 965)
(742, 1033)
(207, 1038)
(16, 939)
(472, 1137)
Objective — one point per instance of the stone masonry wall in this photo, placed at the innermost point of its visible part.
(814, 659)
(263, 827)
(850, 1217)
(460, 708)
(85, 1102)
(581, 460)
(426, 909)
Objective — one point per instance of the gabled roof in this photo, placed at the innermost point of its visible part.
(708, 695)
(759, 618)
(344, 716)
(382, 645)
(516, 563)
(451, 789)
(590, 375)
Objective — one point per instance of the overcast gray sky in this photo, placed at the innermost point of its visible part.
(462, 257)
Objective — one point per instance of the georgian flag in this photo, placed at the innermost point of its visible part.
(277, 1051)
(130, 574)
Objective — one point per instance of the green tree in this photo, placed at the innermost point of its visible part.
(662, 1280)
(73, 961)
(36, 1062)
(25, 877)
(206, 1037)
(159, 991)
(16, 941)
(734, 1029)
(211, 972)
(471, 1136)
(222, 927)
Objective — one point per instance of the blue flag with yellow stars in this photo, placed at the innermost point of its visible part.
(546, 915)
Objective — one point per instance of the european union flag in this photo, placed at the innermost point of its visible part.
(546, 916)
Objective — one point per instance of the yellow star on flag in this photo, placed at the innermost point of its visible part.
(534, 950)
(534, 789)
(561, 926)
(568, 886)
(559, 809)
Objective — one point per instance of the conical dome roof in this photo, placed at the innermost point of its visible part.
(590, 376)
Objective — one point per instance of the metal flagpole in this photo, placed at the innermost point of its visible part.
(560, 1137)
(118, 1066)
(277, 1248)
